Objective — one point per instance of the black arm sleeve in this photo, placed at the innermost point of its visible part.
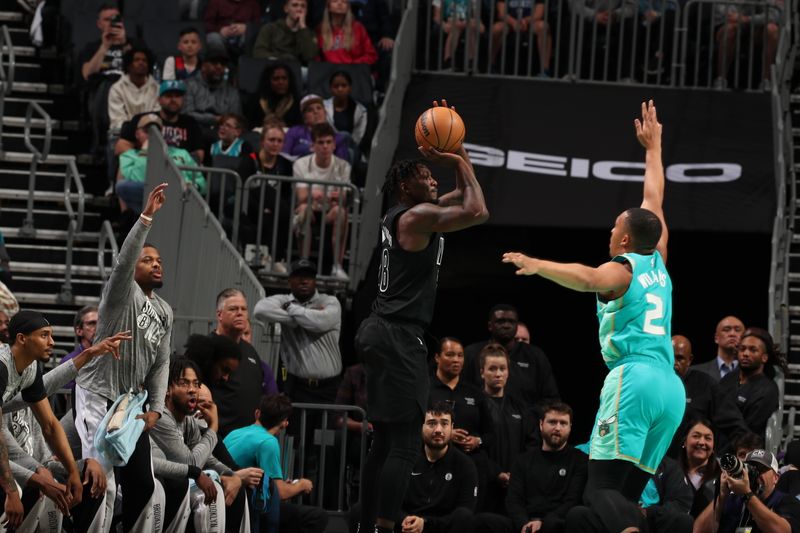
(3, 381)
(515, 498)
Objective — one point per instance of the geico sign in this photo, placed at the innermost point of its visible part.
(576, 167)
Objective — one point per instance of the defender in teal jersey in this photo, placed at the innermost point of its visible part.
(642, 400)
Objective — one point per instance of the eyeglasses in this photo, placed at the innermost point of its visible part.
(90, 324)
(185, 383)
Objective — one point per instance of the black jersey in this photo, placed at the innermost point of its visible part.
(406, 280)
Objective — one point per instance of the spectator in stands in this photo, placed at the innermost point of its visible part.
(353, 391)
(316, 201)
(754, 391)
(228, 21)
(298, 139)
(742, 26)
(344, 113)
(8, 303)
(608, 30)
(85, 326)
(341, 38)
(101, 66)
(790, 475)
(179, 130)
(726, 337)
(523, 334)
(186, 65)
(135, 92)
(133, 167)
(699, 462)
(530, 376)
(257, 445)
(381, 23)
(4, 320)
(277, 97)
(454, 18)
(230, 143)
(667, 499)
(522, 16)
(182, 439)
(473, 431)
(238, 396)
(441, 495)
(704, 399)
(656, 37)
(740, 508)
(746, 443)
(216, 356)
(514, 430)
(210, 95)
(270, 161)
(288, 39)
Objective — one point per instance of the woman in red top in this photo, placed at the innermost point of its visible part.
(343, 39)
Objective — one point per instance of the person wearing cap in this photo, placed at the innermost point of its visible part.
(210, 95)
(133, 168)
(310, 326)
(129, 302)
(178, 129)
(742, 506)
(298, 140)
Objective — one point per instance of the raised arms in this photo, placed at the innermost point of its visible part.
(648, 132)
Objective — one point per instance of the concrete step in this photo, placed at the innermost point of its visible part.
(50, 299)
(10, 16)
(44, 196)
(51, 234)
(47, 268)
(39, 173)
(40, 101)
(52, 212)
(26, 157)
(20, 50)
(58, 280)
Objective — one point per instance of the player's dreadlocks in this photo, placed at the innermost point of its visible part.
(400, 171)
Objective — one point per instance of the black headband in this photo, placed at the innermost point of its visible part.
(26, 322)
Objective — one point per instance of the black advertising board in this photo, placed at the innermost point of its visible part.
(565, 155)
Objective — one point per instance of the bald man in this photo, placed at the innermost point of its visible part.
(726, 337)
(703, 398)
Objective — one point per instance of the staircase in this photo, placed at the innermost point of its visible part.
(792, 386)
(63, 210)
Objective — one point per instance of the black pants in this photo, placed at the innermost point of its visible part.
(174, 492)
(387, 470)
(137, 482)
(84, 513)
(302, 518)
(496, 523)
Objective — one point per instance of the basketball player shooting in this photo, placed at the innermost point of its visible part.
(642, 399)
(389, 341)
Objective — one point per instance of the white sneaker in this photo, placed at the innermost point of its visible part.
(338, 272)
(280, 267)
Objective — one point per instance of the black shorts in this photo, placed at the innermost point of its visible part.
(395, 361)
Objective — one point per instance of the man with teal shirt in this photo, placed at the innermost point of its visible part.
(642, 400)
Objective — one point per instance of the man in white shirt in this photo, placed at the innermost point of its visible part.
(322, 201)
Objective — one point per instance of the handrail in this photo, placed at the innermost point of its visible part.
(353, 219)
(28, 228)
(6, 77)
(75, 225)
(237, 202)
(106, 236)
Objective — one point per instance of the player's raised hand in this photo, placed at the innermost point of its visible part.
(443, 104)
(526, 266)
(648, 129)
(110, 344)
(155, 200)
(442, 158)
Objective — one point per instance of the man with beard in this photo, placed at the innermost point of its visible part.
(238, 396)
(179, 435)
(210, 95)
(442, 492)
(727, 336)
(179, 130)
(530, 374)
(389, 341)
(754, 392)
(704, 399)
(129, 303)
(545, 483)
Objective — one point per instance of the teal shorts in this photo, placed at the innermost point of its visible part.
(641, 407)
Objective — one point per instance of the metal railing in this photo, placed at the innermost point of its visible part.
(220, 191)
(700, 43)
(287, 225)
(74, 226)
(784, 223)
(6, 76)
(106, 238)
(325, 438)
(28, 228)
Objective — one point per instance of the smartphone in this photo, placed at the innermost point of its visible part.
(116, 21)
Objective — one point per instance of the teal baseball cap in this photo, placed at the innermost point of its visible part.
(172, 85)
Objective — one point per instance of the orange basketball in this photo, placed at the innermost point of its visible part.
(441, 128)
